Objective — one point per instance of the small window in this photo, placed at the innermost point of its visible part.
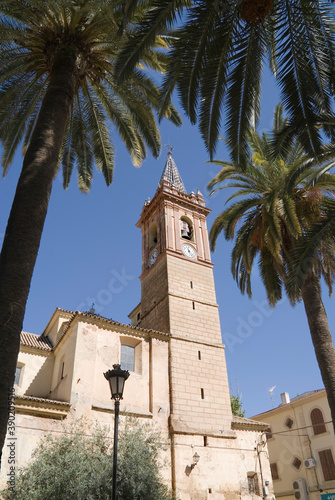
(274, 470)
(199, 355)
(253, 485)
(191, 284)
(318, 422)
(193, 305)
(296, 463)
(138, 316)
(127, 357)
(61, 369)
(205, 441)
(289, 423)
(202, 394)
(18, 372)
(327, 464)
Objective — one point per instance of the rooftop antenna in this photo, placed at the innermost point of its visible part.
(270, 393)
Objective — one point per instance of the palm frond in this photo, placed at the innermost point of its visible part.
(228, 219)
(161, 15)
(297, 75)
(81, 146)
(270, 278)
(305, 252)
(100, 138)
(215, 76)
(243, 96)
(122, 119)
(27, 97)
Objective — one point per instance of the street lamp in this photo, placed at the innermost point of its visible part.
(116, 379)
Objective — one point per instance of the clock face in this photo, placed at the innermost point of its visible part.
(153, 258)
(189, 251)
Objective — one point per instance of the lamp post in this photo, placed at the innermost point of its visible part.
(116, 379)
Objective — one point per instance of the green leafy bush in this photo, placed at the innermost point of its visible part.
(78, 466)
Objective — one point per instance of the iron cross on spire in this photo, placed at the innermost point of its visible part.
(170, 148)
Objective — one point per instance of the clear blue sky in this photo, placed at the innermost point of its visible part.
(88, 239)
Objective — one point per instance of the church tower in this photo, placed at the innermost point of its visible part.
(178, 297)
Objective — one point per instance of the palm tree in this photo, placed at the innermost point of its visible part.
(282, 194)
(59, 98)
(217, 58)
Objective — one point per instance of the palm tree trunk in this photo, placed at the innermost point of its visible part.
(321, 336)
(26, 220)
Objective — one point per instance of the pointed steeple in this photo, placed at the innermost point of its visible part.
(171, 175)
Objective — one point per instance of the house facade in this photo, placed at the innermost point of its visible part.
(301, 445)
(173, 350)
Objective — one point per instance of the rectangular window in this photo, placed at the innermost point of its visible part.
(193, 305)
(199, 355)
(327, 464)
(202, 394)
(274, 470)
(317, 421)
(61, 373)
(18, 375)
(127, 357)
(191, 284)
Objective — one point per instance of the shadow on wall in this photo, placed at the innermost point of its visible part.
(41, 383)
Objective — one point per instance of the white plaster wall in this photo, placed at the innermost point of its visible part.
(223, 467)
(36, 373)
(147, 389)
(61, 388)
(28, 432)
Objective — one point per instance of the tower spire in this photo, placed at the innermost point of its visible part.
(170, 173)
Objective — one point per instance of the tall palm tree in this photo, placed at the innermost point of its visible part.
(217, 58)
(59, 98)
(282, 194)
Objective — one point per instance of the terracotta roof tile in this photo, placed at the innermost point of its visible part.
(305, 395)
(36, 341)
(248, 422)
(42, 400)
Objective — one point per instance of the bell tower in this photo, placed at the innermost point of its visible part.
(178, 297)
(178, 294)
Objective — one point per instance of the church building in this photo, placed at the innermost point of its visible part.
(178, 377)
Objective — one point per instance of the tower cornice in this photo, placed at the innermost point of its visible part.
(167, 193)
